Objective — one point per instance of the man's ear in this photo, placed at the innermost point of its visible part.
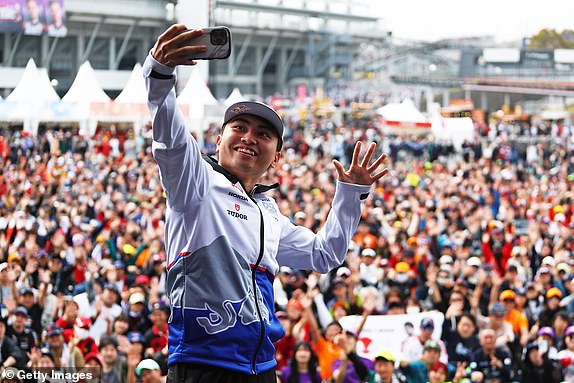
(275, 160)
(217, 142)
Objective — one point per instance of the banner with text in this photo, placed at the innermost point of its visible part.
(388, 332)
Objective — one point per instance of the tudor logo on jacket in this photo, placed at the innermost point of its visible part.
(224, 246)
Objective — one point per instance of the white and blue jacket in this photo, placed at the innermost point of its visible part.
(224, 245)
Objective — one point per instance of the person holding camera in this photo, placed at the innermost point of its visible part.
(225, 238)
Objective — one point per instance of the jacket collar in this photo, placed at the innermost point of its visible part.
(258, 188)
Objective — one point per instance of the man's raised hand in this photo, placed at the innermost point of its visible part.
(173, 47)
(360, 172)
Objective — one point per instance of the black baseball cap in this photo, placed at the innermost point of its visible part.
(256, 109)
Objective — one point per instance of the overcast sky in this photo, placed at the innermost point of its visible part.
(505, 19)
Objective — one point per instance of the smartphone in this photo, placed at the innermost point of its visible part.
(218, 42)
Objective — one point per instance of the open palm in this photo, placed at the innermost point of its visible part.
(360, 172)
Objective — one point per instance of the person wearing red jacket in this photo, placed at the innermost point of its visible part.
(67, 321)
(86, 343)
(497, 247)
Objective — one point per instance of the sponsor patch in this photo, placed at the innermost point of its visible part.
(237, 215)
(240, 109)
(235, 195)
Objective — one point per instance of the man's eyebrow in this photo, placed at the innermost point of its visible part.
(260, 125)
(238, 119)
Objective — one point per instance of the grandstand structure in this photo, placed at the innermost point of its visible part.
(112, 34)
(279, 44)
(276, 43)
(473, 68)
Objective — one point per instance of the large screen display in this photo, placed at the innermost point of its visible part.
(33, 17)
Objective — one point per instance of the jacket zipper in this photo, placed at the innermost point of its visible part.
(253, 271)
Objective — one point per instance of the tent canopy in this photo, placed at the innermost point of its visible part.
(406, 111)
(34, 87)
(135, 90)
(85, 87)
(234, 97)
(196, 91)
(196, 95)
(456, 130)
(403, 118)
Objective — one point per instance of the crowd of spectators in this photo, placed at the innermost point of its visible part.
(484, 235)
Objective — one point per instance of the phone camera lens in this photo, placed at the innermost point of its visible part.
(218, 37)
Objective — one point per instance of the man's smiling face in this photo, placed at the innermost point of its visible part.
(247, 148)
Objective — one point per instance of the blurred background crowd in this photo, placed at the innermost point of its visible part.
(483, 234)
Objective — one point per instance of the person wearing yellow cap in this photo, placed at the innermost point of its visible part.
(513, 316)
(384, 371)
(551, 307)
(402, 279)
(129, 249)
(14, 257)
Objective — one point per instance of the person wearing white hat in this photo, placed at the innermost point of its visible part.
(138, 312)
(446, 260)
(474, 261)
(549, 262)
(300, 217)
(7, 282)
(370, 272)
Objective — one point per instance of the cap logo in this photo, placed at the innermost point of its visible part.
(240, 109)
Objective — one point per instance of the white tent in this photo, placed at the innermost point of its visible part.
(406, 111)
(85, 91)
(22, 92)
(85, 87)
(197, 95)
(403, 118)
(33, 95)
(44, 88)
(135, 90)
(131, 103)
(455, 130)
(199, 105)
(234, 97)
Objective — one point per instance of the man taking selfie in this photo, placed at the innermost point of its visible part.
(225, 239)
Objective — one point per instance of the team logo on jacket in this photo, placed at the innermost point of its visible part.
(237, 207)
(224, 316)
(270, 207)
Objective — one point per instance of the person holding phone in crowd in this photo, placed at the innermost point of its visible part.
(225, 238)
